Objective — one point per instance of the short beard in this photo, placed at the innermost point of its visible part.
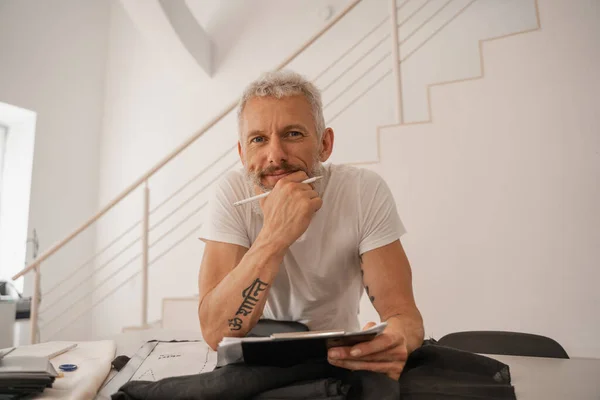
(253, 179)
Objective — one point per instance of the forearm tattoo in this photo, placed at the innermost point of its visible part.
(235, 324)
(362, 273)
(251, 297)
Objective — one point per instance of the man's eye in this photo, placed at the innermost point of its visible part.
(294, 133)
(258, 139)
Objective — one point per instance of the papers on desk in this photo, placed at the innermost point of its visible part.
(157, 360)
(48, 350)
(20, 376)
(176, 359)
(285, 349)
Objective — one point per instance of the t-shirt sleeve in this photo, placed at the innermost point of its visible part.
(380, 223)
(224, 222)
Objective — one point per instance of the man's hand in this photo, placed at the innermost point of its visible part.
(289, 208)
(386, 353)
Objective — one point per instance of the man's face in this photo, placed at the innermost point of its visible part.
(278, 137)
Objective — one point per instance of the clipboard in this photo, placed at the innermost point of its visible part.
(286, 349)
(335, 338)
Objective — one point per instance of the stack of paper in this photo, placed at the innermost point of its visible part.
(48, 350)
(21, 376)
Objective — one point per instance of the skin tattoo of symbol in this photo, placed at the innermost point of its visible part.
(235, 324)
(250, 295)
(362, 273)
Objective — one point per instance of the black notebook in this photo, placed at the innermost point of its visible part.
(20, 376)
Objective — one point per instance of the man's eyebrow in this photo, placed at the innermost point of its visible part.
(287, 128)
(292, 127)
(256, 132)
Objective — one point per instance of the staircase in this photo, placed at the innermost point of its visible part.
(386, 48)
(499, 190)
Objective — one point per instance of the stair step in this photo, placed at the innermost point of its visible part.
(151, 325)
(181, 313)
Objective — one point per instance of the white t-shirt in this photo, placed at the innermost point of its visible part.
(319, 282)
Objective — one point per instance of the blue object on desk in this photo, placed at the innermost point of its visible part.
(67, 367)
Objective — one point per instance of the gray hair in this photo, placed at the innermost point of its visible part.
(285, 83)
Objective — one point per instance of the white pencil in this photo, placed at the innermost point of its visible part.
(260, 196)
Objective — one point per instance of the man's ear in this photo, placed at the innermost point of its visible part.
(241, 153)
(326, 144)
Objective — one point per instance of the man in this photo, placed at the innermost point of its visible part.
(305, 251)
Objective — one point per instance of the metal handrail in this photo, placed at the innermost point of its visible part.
(157, 240)
(413, 14)
(360, 95)
(116, 288)
(354, 82)
(92, 258)
(133, 226)
(432, 16)
(405, 58)
(355, 63)
(438, 30)
(121, 268)
(349, 50)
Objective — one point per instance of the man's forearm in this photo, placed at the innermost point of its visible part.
(234, 306)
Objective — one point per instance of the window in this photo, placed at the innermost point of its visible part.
(3, 137)
(17, 139)
(3, 141)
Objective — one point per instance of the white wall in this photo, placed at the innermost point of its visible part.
(53, 63)
(500, 193)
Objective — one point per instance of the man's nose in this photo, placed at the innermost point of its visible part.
(277, 153)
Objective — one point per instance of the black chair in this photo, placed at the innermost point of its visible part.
(505, 343)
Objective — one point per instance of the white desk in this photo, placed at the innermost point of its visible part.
(534, 378)
(553, 378)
